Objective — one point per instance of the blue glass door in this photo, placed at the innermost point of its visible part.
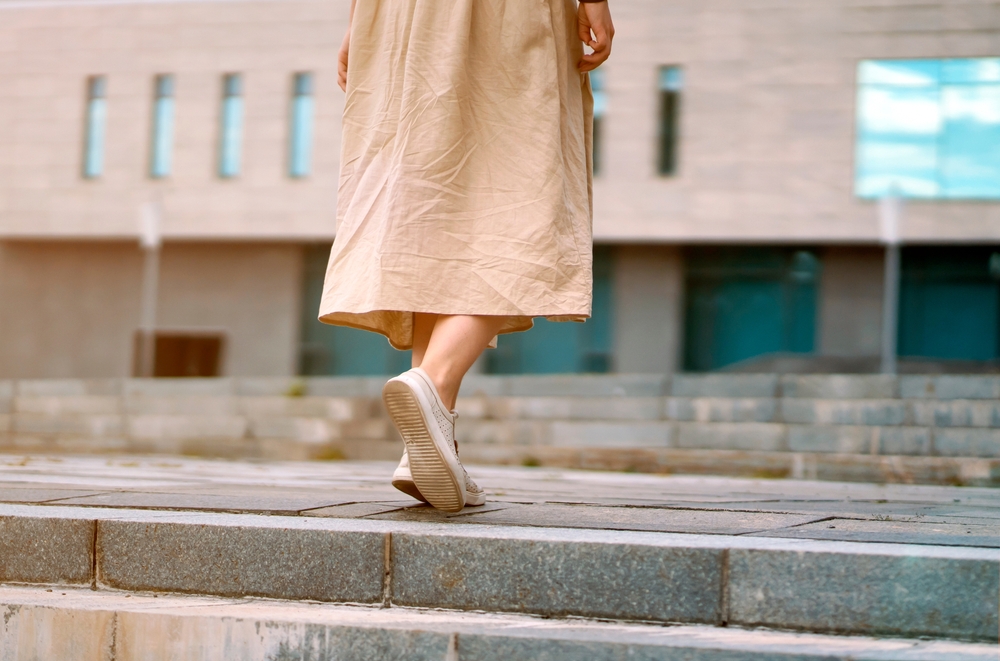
(748, 302)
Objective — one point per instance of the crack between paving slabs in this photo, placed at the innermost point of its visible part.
(794, 525)
(387, 572)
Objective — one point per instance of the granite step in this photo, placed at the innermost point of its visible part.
(808, 585)
(67, 623)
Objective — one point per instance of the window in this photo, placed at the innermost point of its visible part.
(231, 133)
(563, 348)
(600, 107)
(163, 127)
(93, 149)
(929, 129)
(743, 303)
(949, 302)
(301, 134)
(670, 83)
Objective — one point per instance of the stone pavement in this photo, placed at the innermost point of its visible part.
(542, 497)
(179, 558)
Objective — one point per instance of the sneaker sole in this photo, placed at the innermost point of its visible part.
(409, 488)
(430, 471)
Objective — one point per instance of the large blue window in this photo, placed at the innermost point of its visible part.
(231, 132)
(929, 128)
(163, 127)
(301, 133)
(97, 111)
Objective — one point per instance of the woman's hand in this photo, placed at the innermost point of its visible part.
(342, 61)
(593, 19)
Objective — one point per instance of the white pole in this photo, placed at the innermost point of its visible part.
(890, 217)
(150, 240)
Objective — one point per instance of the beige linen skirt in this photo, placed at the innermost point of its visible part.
(465, 184)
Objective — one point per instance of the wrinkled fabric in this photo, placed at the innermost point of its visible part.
(465, 184)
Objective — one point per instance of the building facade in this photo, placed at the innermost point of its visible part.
(741, 148)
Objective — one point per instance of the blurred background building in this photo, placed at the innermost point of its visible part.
(740, 150)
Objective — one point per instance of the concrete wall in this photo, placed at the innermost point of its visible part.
(252, 292)
(70, 309)
(768, 109)
(46, 54)
(850, 302)
(768, 114)
(648, 291)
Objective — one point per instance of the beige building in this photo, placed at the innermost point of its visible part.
(733, 215)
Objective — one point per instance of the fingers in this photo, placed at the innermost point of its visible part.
(597, 31)
(602, 51)
(583, 29)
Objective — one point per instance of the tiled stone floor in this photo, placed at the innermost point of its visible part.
(956, 516)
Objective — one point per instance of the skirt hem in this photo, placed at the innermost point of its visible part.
(516, 323)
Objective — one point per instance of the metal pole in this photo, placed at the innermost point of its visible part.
(150, 241)
(890, 215)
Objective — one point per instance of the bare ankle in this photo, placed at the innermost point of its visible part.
(445, 386)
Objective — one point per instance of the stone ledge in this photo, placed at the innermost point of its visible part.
(127, 626)
(807, 386)
(544, 571)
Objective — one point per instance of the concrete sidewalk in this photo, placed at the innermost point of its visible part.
(860, 567)
(541, 497)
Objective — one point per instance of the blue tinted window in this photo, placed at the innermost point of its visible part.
(163, 127)
(93, 149)
(301, 134)
(600, 109)
(670, 83)
(232, 126)
(929, 128)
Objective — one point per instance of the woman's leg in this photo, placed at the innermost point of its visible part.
(446, 346)
(423, 326)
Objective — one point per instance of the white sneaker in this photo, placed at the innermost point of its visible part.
(403, 480)
(428, 430)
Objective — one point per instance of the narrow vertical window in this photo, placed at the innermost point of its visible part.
(301, 133)
(231, 133)
(163, 127)
(93, 149)
(600, 107)
(670, 83)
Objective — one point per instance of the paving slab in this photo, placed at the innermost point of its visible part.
(278, 562)
(897, 532)
(676, 503)
(46, 550)
(74, 623)
(549, 515)
(873, 593)
(227, 502)
(556, 577)
(28, 494)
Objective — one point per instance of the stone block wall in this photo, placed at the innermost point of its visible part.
(908, 428)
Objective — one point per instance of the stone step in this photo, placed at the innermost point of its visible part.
(829, 587)
(812, 386)
(66, 623)
(134, 413)
(857, 464)
(839, 467)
